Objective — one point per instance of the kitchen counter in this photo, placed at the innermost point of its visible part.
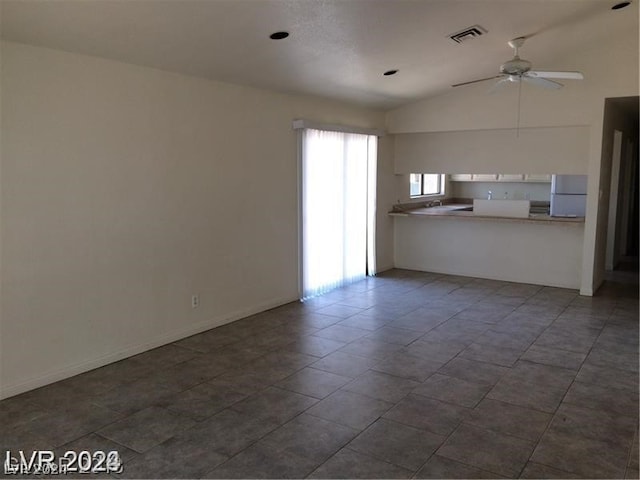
(453, 210)
(537, 249)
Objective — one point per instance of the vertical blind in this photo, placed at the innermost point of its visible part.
(338, 209)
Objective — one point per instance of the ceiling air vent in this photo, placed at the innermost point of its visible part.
(468, 34)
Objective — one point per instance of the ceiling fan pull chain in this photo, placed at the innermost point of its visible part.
(518, 118)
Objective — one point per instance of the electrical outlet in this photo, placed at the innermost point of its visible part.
(195, 301)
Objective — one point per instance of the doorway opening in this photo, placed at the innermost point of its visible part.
(621, 255)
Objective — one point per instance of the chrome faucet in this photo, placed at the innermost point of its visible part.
(489, 195)
(439, 202)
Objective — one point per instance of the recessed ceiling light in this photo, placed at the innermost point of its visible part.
(390, 72)
(278, 35)
(620, 5)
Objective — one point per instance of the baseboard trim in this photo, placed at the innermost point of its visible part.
(71, 370)
(490, 277)
(384, 269)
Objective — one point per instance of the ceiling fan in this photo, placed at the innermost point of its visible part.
(518, 69)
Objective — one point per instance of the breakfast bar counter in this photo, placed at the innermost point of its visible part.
(464, 211)
(535, 248)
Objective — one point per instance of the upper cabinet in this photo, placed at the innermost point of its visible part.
(542, 178)
(485, 177)
(501, 177)
(474, 177)
(461, 177)
(510, 177)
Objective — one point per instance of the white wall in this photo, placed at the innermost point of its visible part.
(524, 252)
(125, 190)
(385, 200)
(611, 70)
(542, 149)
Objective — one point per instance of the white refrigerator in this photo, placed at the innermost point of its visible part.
(568, 195)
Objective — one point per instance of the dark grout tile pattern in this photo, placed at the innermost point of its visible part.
(403, 375)
(488, 450)
(396, 443)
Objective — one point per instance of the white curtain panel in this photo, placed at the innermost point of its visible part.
(337, 238)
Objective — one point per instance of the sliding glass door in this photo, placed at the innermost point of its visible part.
(338, 209)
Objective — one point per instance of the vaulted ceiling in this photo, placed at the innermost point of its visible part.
(337, 49)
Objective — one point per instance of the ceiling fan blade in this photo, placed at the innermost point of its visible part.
(476, 81)
(548, 74)
(541, 82)
(500, 84)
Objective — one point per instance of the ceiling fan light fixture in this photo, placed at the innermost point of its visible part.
(518, 69)
(279, 35)
(620, 5)
(517, 66)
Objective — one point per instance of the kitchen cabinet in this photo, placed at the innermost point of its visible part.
(461, 177)
(485, 177)
(536, 177)
(474, 177)
(501, 177)
(509, 177)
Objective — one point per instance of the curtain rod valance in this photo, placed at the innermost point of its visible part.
(299, 124)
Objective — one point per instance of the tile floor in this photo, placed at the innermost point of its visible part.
(403, 375)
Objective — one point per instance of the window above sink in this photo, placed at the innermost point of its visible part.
(426, 184)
